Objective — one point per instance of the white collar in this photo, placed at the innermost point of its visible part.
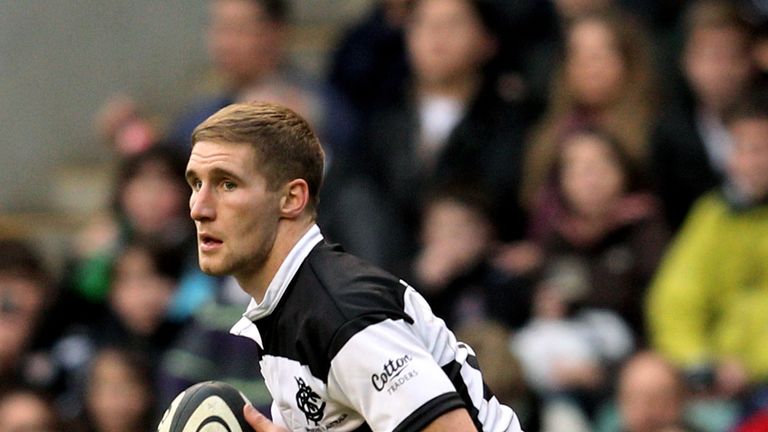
(280, 282)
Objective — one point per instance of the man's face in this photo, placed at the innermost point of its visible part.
(748, 162)
(243, 43)
(235, 212)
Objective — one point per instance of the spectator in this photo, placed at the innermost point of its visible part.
(373, 51)
(23, 410)
(143, 285)
(691, 142)
(568, 351)
(150, 205)
(25, 297)
(605, 81)
(118, 396)
(452, 267)
(651, 395)
(596, 221)
(451, 126)
(134, 319)
(708, 304)
(246, 46)
(545, 23)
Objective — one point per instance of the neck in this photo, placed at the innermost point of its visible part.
(289, 232)
(461, 88)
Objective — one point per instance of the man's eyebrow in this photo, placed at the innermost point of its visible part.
(214, 172)
(190, 174)
(218, 172)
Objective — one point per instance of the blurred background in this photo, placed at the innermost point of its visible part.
(578, 187)
(61, 61)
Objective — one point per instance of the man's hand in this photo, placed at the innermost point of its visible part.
(258, 422)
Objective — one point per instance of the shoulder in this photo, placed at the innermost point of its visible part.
(710, 205)
(708, 222)
(349, 285)
(332, 297)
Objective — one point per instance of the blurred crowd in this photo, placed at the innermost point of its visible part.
(578, 187)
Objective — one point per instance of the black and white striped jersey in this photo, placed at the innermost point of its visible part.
(348, 347)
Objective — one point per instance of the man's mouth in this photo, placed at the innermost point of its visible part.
(209, 242)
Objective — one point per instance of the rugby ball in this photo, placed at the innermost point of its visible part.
(210, 406)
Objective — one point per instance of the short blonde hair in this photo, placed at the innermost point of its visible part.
(286, 147)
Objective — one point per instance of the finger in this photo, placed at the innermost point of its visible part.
(257, 420)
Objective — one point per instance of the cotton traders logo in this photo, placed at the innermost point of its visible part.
(309, 402)
(392, 376)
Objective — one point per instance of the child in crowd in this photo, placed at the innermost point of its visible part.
(25, 297)
(150, 205)
(708, 304)
(144, 281)
(452, 267)
(119, 395)
(594, 216)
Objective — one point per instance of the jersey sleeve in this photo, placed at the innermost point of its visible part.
(384, 373)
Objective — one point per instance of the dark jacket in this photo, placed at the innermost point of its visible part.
(679, 162)
(483, 151)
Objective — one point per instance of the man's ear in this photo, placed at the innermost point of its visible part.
(295, 198)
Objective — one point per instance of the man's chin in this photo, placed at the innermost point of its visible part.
(212, 269)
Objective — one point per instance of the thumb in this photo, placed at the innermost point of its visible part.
(257, 420)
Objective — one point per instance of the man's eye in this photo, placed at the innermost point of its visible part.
(228, 185)
(197, 184)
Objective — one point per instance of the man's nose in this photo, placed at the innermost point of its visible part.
(201, 205)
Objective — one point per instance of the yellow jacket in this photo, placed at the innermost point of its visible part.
(709, 299)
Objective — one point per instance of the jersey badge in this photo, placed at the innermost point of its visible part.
(309, 402)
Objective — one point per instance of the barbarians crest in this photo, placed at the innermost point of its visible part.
(309, 402)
